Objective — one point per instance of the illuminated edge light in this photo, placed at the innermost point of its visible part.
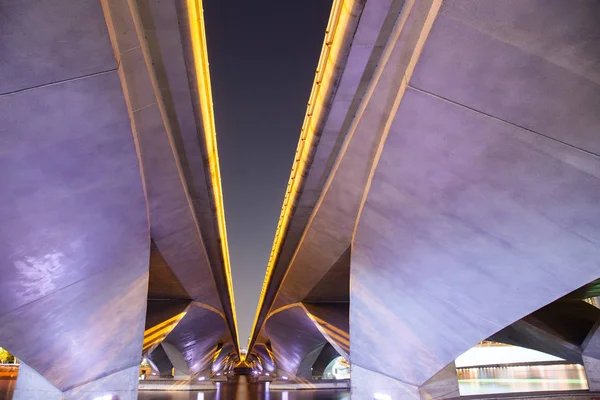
(200, 55)
(334, 36)
(158, 332)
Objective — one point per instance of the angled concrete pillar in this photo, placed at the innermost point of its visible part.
(161, 362)
(121, 385)
(33, 386)
(180, 367)
(591, 357)
(367, 384)
(332, 320)
(443, 385)
(305, 367)
(265, 356)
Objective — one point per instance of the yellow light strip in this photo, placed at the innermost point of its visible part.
(199, 50)
(159, 331)
(334, 36)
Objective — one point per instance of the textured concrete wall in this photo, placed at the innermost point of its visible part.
(482, 205)
(75, 240)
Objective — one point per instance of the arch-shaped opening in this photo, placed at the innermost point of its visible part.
(338, 368)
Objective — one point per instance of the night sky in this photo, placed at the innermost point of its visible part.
(263, 55)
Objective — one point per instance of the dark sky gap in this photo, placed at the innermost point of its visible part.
(263, 55)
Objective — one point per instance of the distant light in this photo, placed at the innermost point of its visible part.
(200, 396)
(266, 373)
(381, 396)
(285, 378)
(219, 374)
(201, 378)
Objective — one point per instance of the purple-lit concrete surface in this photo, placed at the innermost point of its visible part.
(159, 82)
(75, 231)
(293, 335)
(465, 186)
(99, 130)
(196, 336)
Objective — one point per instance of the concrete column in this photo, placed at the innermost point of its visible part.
(332, 320)
(367, 384)
(305, 368)
(161, 361)
(33, 386)
(443, 385)
(591, 357)
(122, 385)
(180, 367)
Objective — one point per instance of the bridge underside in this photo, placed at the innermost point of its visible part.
(448, 193)
(112, 239)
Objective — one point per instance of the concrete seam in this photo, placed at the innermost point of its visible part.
(58, 82)
(387, 376)
(505, 121)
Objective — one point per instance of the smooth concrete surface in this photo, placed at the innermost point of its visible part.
(265, 355)
(293, 335)
(367, 384)
(332, 320)
(51, 41)
(196, 336)
(88, 104)
(33, 386)
(469, 197)
(122, 385)
(180, 367)
(591, 357)
(75, 237)
(299, 332)
(466, 185)
(356, 65)
(443, 385)
(75, 243)
(151, 41)
(161, 362)
(324, 246)
(305, 368)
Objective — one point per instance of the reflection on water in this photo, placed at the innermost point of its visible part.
(246, 391)
(7, 386)
(486, 380)
(521, 379)
(243, 392)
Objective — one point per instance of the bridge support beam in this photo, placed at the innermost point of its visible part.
(121, 385)
(33, 386)
(591, 357)
(181, 370)
(368, 384)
